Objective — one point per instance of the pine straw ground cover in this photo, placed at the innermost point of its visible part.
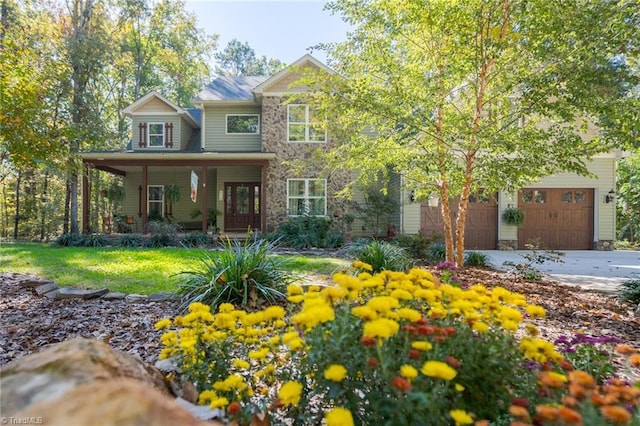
(395, 348)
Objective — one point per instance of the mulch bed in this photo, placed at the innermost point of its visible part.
(28, 323)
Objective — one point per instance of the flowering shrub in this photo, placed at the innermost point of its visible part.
(591, 354)
(389, 348)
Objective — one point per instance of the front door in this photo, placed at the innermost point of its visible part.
(241, 206)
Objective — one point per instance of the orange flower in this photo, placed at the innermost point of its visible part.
(616, 414)
(401, 383)
(597, 399)
(582, 378)
(452, 361)
(552, 379)
(547, 413)
(233, 408)
(372, 362)
(634, 360)
(519, 412)
(569, 401)
(570, 416)
(625, 349)
(368, 341)
(520, 402)
(577, 391)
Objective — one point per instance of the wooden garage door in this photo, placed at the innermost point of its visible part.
(562, 219)
(481, 229)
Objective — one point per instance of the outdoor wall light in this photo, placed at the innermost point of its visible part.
(611, 196)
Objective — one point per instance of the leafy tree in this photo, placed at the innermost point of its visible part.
(628, 198)
(240, 59)
(476, 94)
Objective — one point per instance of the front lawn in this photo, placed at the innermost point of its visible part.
(128, 270)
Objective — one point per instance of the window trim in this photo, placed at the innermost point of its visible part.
(161, 134)
(149, 201)
(306, 197)
(307, 125)
(226, 124)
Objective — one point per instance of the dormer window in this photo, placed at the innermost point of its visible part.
(304, 125)
(155, 136)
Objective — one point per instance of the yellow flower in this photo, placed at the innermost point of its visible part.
(535, 311)
(226, 307)
(381, 327)
(163, 323)
(294, 290)
(335, 372)
(361, 265)
(364, 312)
(290, 393)
(409, 314)
(339, 417)
(240, 363)
(408, 372)
(459, 387)
(219, 403)
(421, 345)
(461, 417)
(480, 327)
(259, 354)
(438, 370)
(274, 313)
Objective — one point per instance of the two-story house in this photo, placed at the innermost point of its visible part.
(233, 148)
(232, 153)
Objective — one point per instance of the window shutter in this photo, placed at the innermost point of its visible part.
(168, 135)
(142, 142)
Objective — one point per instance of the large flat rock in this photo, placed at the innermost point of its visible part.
(78, 293)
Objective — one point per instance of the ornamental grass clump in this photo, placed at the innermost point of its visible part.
(246, 274)
(389, 348)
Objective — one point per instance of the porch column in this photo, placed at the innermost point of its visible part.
(143, 198)
(263, 198)
(85, 199)
(205, 207)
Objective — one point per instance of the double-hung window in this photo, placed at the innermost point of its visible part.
(243, 124)
(307, 197)
(155, 137)
(155, 200)
(304, 124)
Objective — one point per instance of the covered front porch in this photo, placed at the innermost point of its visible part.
(198, 192)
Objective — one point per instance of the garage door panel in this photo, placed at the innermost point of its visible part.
(481, 228)
(561, 219)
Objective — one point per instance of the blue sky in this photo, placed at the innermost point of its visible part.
(276, 29)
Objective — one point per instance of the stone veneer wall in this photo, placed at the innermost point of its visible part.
(604, 245)
(274, 139)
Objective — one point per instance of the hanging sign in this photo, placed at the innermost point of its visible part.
(194, 186)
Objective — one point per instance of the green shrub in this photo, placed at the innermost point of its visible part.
(245, 274)
(129, 240)
(476, 259)
(630, 291)
(513, 216)
(68, 240)
(437, 252)
(417, 245)
(94, 240)
(196, 239)
(380, 255)
(305, 232)
(163, 234)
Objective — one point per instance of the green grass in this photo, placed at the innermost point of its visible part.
(142, 271)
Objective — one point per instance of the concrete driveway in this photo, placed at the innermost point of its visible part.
(594, 270)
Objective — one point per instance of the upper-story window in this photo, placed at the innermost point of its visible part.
(155, 137)
(304, 125)
(243, 124)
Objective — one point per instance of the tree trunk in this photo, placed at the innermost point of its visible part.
(16, 218)
(43, 206)
(67, 201)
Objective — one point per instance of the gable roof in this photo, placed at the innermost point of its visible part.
(230, 89)
(304, 61)
(134, 107)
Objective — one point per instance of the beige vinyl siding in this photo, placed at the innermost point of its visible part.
(216, 138)
(185, 133)
(604, 214)
(162, 118)
(156, 105)
(411, 215)
(506, 232)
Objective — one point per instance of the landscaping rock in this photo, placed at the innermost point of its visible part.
(136, 298)
(200, 411)
(33, 282)
(45, 288)
(122, 402)
(161, 297)
(114, 295)
(52, 294)
(77, 293)
(49, 375)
